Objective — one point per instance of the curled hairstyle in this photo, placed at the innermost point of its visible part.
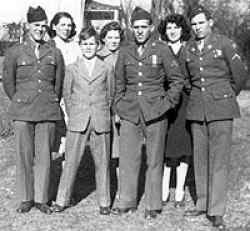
(88, 32)
(180, 21)
(111, 26)
(55, 20)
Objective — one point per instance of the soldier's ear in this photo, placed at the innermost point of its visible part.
(211, 22)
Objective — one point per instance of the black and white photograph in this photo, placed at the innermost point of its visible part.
(125, 115)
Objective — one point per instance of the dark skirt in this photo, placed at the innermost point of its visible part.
(178, 141)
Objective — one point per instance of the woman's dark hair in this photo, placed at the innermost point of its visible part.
(88, 32)
(180, 21)
(55, 20)
(111, 26)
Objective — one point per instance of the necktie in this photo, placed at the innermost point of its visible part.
(140, 50)
(201, 45)
(37, 50)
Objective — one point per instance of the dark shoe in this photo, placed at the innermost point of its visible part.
(180, 204)
(104, 210)
(151, 214)
(57, 208)
(44, 208)
(120, 211)
(164, 203)
(218, 223)
(193, 213)
(25, 206)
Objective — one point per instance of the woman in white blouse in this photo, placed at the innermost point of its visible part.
(62, 32)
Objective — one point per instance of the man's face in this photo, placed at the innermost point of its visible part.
(142, 30)
(89, 47)
(201, 25)
(37, 30)
(112, 40)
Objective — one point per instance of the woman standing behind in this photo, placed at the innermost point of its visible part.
(62, 31)
(111, 37)
(175, 31)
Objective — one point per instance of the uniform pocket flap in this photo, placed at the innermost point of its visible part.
(223, 94)
(21, 97)
(24, 62)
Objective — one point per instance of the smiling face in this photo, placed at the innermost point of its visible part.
(37, 30)
(142, 30)
(89, 47)
(173, 32)
(201, 25)
(112, 40)
(63, 28)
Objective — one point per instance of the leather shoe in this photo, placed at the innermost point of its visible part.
(179, 204)
(151, 214)
(194, 213)
(104, 210)
(25, 206)
(44, 208)
(57, 208)
(218, 223)
(164, 202)
(120, 211)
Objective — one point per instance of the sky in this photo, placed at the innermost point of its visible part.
(15, 10)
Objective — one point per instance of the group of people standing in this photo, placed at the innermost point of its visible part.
(175, 94)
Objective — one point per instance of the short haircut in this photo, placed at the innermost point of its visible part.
(55, 20)
(111, 26)
(199, 10)
(180, 21)
(88, 32)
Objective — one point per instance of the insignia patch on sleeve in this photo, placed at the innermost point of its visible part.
(236, 56)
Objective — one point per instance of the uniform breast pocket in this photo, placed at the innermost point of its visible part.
(49, 67)
(223, 93)
(24, 68)
(24, 97)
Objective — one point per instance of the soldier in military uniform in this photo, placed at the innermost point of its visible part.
(217, 75)
(32, 79)
(141, 101)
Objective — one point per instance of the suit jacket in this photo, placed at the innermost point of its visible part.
(140, 81)
(86, 96)
(110, 59)
(217, 75)
(34, 85)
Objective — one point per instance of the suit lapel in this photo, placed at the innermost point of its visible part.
(44, 50)
(97, 70)
(29, 49)
(83, 70)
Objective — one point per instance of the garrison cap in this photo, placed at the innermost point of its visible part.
(140, 14)
(199, 10)
(36, 14)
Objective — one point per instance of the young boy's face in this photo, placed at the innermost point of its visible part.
(89, 47)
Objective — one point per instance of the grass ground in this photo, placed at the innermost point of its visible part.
(84, 216)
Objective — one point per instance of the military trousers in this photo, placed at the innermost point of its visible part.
(100, 149)
(33, 157)
(131, 139)
(212, 146)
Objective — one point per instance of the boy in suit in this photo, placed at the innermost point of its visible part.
(88, 107)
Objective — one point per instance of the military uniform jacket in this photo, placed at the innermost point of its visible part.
(217, 75)
(34, 85)
(140, 82)
(86, 96)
